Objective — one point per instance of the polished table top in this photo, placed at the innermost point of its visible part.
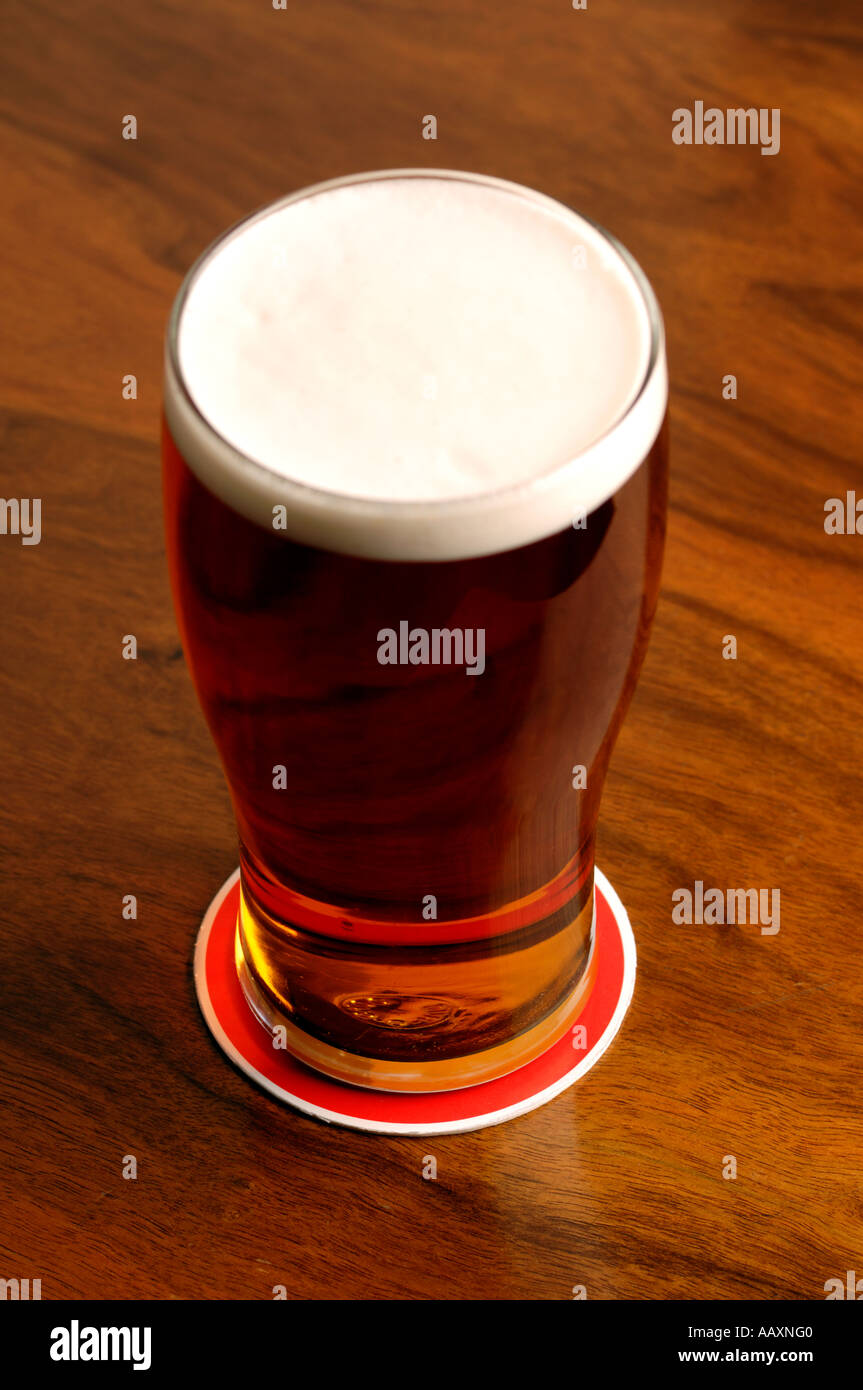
(736, 773)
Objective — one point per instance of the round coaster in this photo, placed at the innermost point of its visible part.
(249, 1045)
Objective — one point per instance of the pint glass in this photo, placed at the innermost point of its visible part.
(415, 482)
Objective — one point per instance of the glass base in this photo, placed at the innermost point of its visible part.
(417, 1075)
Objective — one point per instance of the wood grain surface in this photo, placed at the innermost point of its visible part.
(741, 773)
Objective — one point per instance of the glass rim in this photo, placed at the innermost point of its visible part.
(394, 509)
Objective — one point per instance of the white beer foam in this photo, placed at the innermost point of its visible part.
(418, 364)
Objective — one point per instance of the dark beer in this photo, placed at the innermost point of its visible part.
(416, 749)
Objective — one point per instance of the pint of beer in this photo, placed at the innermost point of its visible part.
(415, 476)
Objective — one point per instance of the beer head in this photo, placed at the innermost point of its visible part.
(415, 365)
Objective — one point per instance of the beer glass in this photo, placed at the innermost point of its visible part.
(415, 484)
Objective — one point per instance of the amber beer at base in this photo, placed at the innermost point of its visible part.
(414, 469)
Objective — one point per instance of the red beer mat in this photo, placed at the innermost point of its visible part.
(249, 1045)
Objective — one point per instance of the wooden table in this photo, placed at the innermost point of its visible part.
(737, 773)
